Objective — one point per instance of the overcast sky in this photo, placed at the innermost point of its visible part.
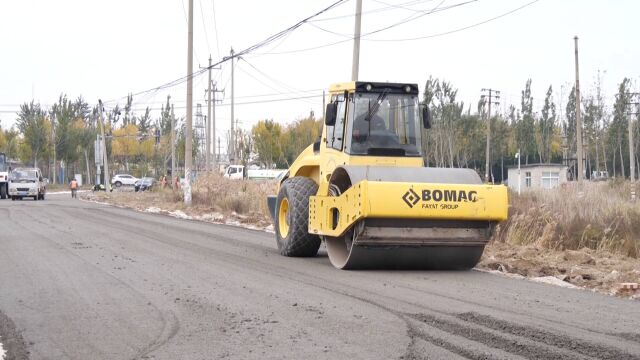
(107, 49)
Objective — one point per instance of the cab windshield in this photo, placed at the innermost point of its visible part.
(18, 175)
(385, 125)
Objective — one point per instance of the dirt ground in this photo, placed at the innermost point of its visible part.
(585, 268)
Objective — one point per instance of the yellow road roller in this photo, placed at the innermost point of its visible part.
(363, 189)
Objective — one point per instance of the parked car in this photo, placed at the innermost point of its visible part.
(27, 182)
(144, 184)
(123, 179)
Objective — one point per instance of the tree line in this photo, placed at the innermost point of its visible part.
(458, 135)
(64, 134)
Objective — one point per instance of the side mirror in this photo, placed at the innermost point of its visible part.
(426, 117)
(331, 114)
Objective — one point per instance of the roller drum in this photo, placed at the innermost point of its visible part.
(409, 244)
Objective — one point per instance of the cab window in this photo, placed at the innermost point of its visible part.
(335, 134)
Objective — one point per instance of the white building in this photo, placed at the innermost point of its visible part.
(537, 176)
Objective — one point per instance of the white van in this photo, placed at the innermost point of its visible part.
(27, 182)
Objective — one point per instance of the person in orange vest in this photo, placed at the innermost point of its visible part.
(74, 188)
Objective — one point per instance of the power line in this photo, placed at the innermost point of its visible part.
(402, 6)
(204, 26)
(263, 83)
(215, 26)
(280, 83)
(462, 28)
(251, 48)
(406, 39)
(245, 103)
(419, 14)
(386, 8)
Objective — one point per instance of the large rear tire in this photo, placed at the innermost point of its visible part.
(292, 218)
(3, 191)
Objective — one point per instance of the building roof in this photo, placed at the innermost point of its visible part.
(529, 166)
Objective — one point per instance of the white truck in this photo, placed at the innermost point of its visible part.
(4, 176)
(238, 172)
(27, 182)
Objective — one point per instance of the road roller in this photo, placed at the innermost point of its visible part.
(363, 189)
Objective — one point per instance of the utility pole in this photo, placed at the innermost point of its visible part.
(107, 183)
(211, 114)
(232, 155)
(53, 145)
(219, 146)
(492, 93)
(188, 130)
(578, 120)
(173, 147)
(356, 42)
(213, 125)
(630, 114)
(208, 130)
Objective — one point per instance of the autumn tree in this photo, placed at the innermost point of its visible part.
(266, 141)
(35, 129)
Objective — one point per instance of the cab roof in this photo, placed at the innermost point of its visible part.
(374, 87)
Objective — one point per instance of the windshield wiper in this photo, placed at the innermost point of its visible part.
(374, 110)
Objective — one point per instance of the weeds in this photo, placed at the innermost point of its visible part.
(224, 195)
(598, 216)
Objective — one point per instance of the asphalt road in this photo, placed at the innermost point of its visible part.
(86, 281)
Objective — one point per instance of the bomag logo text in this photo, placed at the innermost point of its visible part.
(449, 195)
(439, 199)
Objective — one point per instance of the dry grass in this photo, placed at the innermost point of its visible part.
(597, 216)
(223, 195)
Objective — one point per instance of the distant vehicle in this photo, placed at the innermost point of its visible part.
(238, 172)
(599, 175)
(27, 182)
(123, 179)
(4, 176)
(144, 184)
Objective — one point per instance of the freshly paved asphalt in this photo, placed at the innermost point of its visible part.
(85, 281)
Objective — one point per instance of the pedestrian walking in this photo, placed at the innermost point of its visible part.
(74, 188)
